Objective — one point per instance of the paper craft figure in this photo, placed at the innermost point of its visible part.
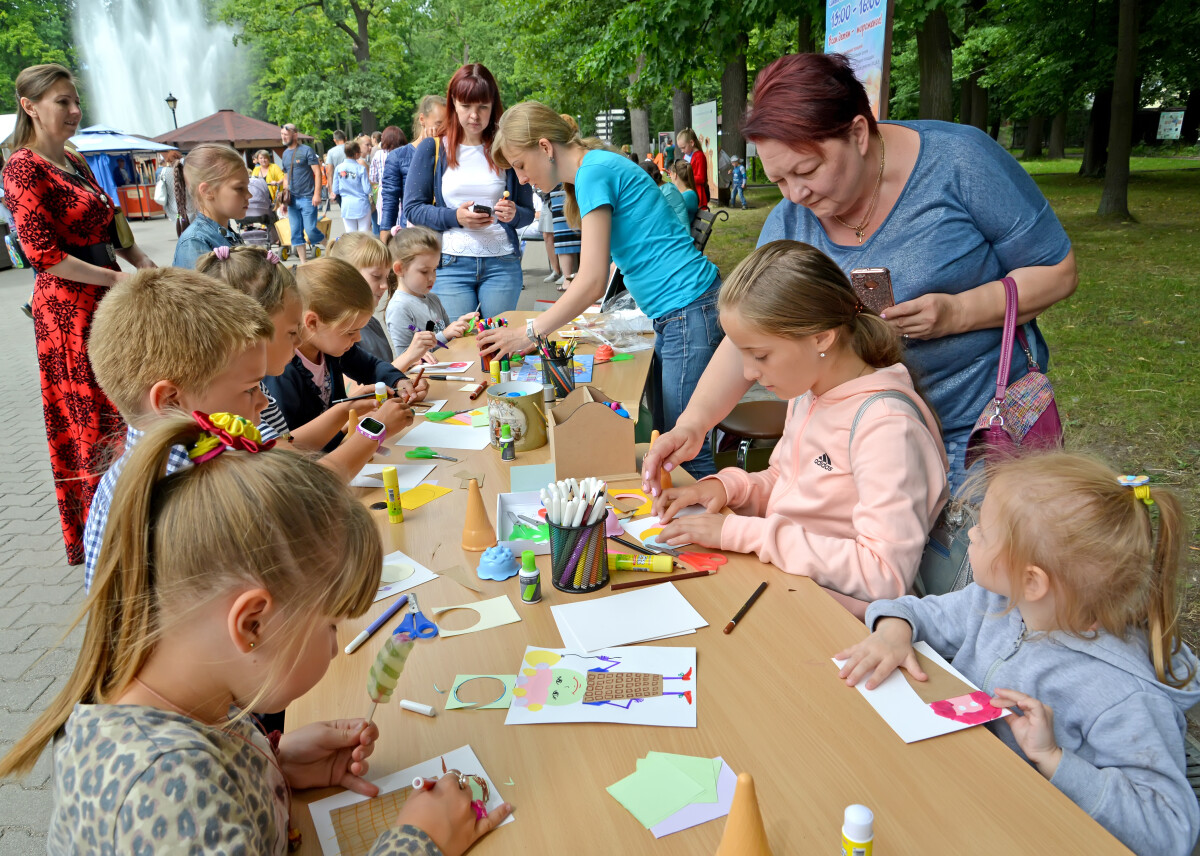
(543, 685)
(972, 709)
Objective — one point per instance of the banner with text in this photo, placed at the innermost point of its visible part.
(862, 29)
(704, 123)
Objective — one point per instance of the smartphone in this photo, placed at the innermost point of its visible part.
(481, 209)
(874, 288)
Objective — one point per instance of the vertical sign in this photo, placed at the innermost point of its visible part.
(704, 123)
(862, 30)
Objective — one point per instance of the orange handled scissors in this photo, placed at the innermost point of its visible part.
(703, 561)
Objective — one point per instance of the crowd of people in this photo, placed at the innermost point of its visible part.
(212, 369)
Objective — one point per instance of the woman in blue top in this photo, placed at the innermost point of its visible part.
(430, 116)
(352, 185)
(622, 215)
(942, 206)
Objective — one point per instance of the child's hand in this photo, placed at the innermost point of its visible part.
(416, 351)
(445, 815)
(395, 415)
(429, 359)
(710, 493)
(409, 393)
(1033, 729)
(703, 530)
(880, 653)
(459, 327)
(329, 754)
(354, 388)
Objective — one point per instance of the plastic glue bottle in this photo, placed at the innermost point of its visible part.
(530, 578)
(508, 446)
(858, 831)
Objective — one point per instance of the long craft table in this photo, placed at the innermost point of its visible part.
(768, 700)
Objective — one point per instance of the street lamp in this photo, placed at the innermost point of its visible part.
(171, 102)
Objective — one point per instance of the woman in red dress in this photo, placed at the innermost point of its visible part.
(689, 144)
(65, 223)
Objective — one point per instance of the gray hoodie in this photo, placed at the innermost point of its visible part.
(1121, 731)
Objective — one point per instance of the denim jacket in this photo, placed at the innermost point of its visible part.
(202, 236)
(422, 185)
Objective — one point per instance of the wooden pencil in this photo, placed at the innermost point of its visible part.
(663, 579)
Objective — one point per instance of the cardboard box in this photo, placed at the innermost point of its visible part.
(589, 439)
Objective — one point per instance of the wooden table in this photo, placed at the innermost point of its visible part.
(768, 700)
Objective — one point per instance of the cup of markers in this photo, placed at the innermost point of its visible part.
(575, 514)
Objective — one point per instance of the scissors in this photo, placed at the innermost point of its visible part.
(415, 624)
(703, 561)
(426, 452)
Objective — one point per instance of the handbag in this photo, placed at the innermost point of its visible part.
(284, 197)
(1023, 414)
(122, 234)
(160, 189)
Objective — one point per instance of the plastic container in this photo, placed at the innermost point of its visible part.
(560, 374)
(530, 578)
(858, 831)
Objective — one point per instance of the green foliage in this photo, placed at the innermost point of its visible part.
(32, 32)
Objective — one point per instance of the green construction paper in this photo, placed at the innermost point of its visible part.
(655, 792)
(479, 420)
(620, 358)
(530, 478)
(439, 415)
(452, 702)
(699, 770)
(529, 533)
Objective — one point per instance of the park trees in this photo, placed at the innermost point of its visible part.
(32, 32)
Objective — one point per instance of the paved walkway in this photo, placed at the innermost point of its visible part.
(39, 593)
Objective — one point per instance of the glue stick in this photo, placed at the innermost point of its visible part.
(495, 369)
(380, 392)
(858, 831)
(391, 487)
(505, 371)
(661, 564)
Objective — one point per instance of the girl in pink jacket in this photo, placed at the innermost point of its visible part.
(859, 476)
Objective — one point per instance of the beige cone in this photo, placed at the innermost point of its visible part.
(744, 833)
(478, 533)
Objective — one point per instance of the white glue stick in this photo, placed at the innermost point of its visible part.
(417, 707)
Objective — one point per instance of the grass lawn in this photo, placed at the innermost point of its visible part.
(1070, 166)
(1125, 350)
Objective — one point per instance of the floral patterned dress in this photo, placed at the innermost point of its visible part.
(55, 210)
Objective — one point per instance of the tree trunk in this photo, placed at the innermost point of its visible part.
(1191, 117)
(362, 56)
(681, 107)
(804, 33)
(639, 118)
(733, 101)
(935, 60)
(994, 128)
(966, 91)
(1034, 133)
(1058, 136)
(1114, 200)
(1095, 139)
(979, 104)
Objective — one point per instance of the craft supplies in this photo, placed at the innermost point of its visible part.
(444, 436)
(497, 563)
(485, 361)
(640, 583)
(478, 391)
(858, 831)
(530, 578)
(603, 354)
(673, 792)
(494, 370)
(478, 534)
(417, 707)
(387, 616)
(655, 612)
(401, 572)
(381, 392)
(415, 625)
(741, 613)
(505, 370)
(575, 512)
(664, 477)
(408, 475)
(426, 453)
(508, 450)
(659, 564)
(588, 438)
(637, 548)
(385, 671)
(481, 692)
(492, 613)
(438, 335)
(391, 488)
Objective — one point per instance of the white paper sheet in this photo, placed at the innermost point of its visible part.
(438, 436)
(410, 475)
(640, 527)
(698, 813)
(435, 404)
(421, 574)
(462, 758)
(903, 709)
(648, 613)
(533, 704)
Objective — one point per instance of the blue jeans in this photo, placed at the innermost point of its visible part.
(738, 191)
(302, 217)
(490, 283)
(684, 344)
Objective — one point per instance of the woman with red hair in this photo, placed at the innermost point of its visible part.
(942, 206)
(454, 187)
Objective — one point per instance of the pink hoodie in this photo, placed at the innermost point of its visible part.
(858, 531)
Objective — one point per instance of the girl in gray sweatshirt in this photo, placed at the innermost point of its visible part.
(1071, 623)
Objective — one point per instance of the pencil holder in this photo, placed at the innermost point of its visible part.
(560, 373)
(578, 558)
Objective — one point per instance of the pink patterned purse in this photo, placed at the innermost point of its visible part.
(1023, 414)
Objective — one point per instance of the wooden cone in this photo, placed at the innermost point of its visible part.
(664, 477)
(478, 533)
(744, 833)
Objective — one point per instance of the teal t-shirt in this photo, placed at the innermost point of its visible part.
(663, 270)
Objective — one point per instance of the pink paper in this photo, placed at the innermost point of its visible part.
(972, 709)
(698, 813)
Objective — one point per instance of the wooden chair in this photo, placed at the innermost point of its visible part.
(702, 226)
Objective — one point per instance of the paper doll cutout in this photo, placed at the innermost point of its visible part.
(542, 685)
(971, 709)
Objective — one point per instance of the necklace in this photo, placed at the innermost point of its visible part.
(860, 229)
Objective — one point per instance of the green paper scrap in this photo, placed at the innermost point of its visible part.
(479, 420)
(655, 792)
(452, 702)
(439, 415)
(620, 358)
(530, 478)
(702, 771)
(522, 532)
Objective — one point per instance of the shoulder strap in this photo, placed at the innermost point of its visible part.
(871, 399)
(1006, 340)
(437, 151)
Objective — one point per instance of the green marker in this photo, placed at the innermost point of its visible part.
(530, 578)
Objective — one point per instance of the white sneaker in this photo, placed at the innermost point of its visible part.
(560, 280)
(553, 276)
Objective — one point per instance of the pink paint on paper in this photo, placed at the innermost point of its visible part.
(970, 709)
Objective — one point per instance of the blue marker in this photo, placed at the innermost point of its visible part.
(387, 616)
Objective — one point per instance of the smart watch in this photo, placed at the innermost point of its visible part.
(374, 429)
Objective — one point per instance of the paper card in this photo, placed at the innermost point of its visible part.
(396, 569)
(479, 418)
(447, 368)
(445, 436)
(435, 404)
(903, 709)
(481, 687)
(654, 793)
(463, 576)
(492, 613)
(699, 770)
(646, 528)
(530, 478)
(410, 475)
(623, 619)
(347, 824)
(418, 496)
(468, 388)
(698, 813)
(627, 686)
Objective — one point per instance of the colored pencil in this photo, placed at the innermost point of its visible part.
(662, 579)
(745, 607)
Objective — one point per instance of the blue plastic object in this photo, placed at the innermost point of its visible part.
(497, 563)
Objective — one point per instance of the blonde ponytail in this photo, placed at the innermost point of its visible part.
(520, 129)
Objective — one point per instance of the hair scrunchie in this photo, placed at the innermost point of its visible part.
(221, 253)
(273, 257)
(225, 431)
(1140, 485)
